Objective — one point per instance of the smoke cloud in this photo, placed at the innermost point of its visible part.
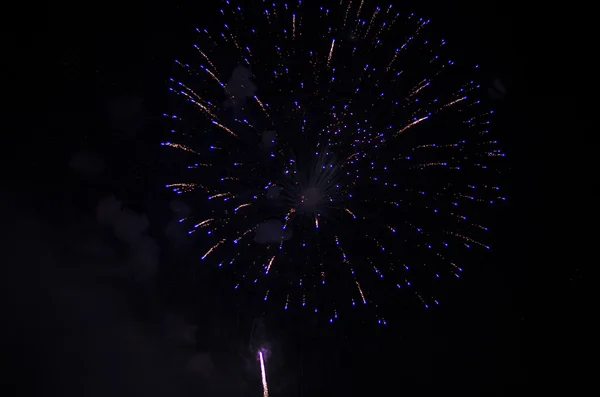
(272, 231)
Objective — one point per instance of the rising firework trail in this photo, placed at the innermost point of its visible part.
(263, 373)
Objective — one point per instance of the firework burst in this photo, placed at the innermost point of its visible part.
(338, 157)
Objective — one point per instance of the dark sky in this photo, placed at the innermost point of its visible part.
(85, 313)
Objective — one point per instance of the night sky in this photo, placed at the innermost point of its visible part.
(98, 308)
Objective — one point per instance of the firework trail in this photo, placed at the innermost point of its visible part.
(263, 374)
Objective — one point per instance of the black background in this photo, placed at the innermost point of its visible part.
(86, 59)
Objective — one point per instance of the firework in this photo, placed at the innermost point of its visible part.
(263, 374)
(338, 157)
